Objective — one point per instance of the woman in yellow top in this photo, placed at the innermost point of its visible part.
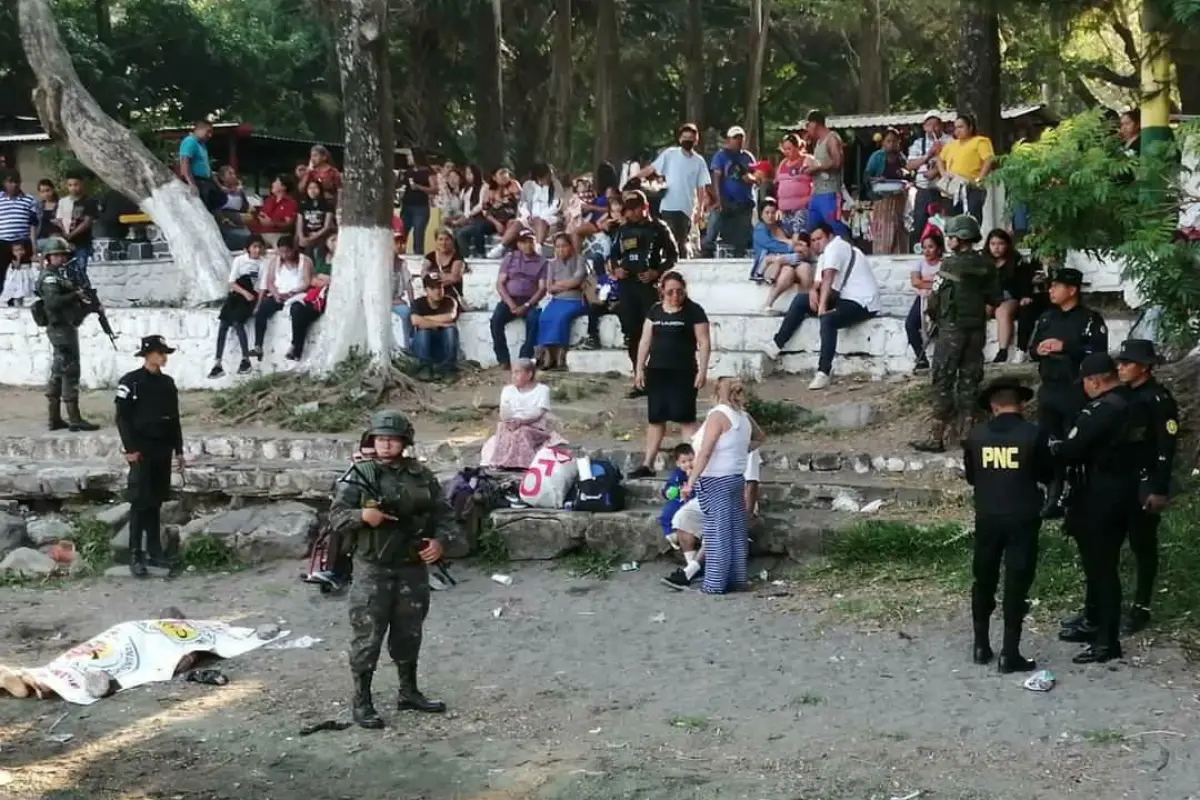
(969, 157)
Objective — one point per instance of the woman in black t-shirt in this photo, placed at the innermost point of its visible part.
(314, 223)
(672, 365)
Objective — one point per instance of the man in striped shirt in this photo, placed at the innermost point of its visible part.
(18, 220)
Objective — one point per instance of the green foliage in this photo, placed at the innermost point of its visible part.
(1084, 193)
(93, 542)
(777, 417)
(208, 554)
(492, 547)
(585, 562)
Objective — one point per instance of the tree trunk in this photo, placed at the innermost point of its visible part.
(359, 311)
(694, 59)
(872, 61)
(760, 12)
(489, 106)
(978, 73)
(608, 146)
(561, 70)
(71, 115)
(103, 20)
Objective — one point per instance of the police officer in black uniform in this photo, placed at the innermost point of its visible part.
(643, 249)
(1061, 338)
(151, 435)
(1103, 445)
(1005, 460)
(1160, 413)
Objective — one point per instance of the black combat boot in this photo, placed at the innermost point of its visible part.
(1054, 507)
(982, 651)
(1075, 620)
(54, 407)
(137, 556)
(364, 707)
(1082, 633)
(137, 563)
(935, 442)
(1098, 654)
(410, 697)
(1011, 659)
(1137, 620)
(75, 421)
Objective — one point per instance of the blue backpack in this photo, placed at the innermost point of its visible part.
(601, 492)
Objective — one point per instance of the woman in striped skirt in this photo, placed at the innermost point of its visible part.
(725, 441)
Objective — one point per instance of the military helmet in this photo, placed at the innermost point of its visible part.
(963, 227)
(52, 245)
(391, 423)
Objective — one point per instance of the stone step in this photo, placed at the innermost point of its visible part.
(752, 366)
(781, 490)
(634, 534)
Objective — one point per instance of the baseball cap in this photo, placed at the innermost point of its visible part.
(735, 131)
(1097, 364)
(931, 115)
(527, 233)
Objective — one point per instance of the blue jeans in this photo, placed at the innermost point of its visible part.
(844, 314)
(416, 220)
(436, 347)
(501, 316)
(472, 238)
(82, 256)
(402, 311)
(912, 327)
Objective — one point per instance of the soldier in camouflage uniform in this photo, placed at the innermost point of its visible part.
(61, 308)
(391, 514)
(966, 285)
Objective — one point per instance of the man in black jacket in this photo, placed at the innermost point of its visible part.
(152, 436)
(1005, 460)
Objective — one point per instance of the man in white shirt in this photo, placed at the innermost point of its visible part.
(845, 294)
(921, 156)
(688, 185)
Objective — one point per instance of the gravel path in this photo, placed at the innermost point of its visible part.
(587, 690)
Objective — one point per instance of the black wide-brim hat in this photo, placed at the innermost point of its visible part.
(153, 344)
(999, 384)
(1138, 351)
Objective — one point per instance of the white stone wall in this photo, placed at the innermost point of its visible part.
(876, 347)
(119, 284)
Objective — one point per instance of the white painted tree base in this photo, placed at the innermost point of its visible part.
(359, 312)
(195, 241)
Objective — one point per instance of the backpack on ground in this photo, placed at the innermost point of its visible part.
(473, 493)
(599, 488)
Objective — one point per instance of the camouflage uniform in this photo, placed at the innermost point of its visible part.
(390, 592)
(65, 311)
(966, 285)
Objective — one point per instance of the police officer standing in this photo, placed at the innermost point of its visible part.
(61, 309)
(391, 512)
(1103, 444)
(643, 249)
(1061, 338)
(1005, 460)
(152, 437)
(1158, 410)
(967, 284)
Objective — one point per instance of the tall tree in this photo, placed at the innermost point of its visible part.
(872, 59)
(71, 115)
(608, 146)
(561, 69)
(760, 23)
(977, 85)
(360, 298)
(489, 84)
(694, 64)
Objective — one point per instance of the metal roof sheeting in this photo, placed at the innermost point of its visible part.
(856, 121)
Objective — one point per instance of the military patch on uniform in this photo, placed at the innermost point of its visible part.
(1172, 427)
(1103, 328)
(49, 279)
(122, 391)
(1074, 431)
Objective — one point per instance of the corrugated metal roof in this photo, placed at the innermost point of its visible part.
(853, 121)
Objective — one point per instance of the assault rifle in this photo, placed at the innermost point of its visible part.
(355, 477)
(79, 277)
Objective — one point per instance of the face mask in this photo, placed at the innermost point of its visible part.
(687, 144)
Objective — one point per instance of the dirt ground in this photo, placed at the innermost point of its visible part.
(597, 690)
(592, 409)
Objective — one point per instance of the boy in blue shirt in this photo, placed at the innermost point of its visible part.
(681, 520)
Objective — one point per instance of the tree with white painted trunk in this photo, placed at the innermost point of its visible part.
(359, 312)
(70, 114)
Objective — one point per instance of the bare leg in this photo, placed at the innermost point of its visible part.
(541, 228)
(581, 231)
(1006, 314)
(751, 497)
(511, 231)
(783, 281)
(688, 429)
(654, 437)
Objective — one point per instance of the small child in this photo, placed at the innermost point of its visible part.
(20, 277)
(682, 521)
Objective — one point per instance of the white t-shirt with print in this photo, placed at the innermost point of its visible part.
(861, 287)
(245, 266)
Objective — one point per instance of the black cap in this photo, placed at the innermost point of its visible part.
(1138, 351)
(1010, 382)
(1097, 364)
(1067, 276)
(154, 344)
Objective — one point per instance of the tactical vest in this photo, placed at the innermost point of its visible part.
(960, 292)
(404, 490)
(636, 240)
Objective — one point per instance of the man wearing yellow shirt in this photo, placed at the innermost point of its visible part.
(970, 157)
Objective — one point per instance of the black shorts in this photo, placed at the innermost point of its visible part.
(149, 481)
(671, 396)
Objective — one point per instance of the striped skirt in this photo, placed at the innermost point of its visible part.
(726, 532)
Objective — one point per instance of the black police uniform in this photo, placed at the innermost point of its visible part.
(148, 420)
(1060, 397)
(646, 244)
(1005, 460)
(1102, 444)
(1157, 410)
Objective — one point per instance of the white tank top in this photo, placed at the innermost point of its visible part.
(732, 449)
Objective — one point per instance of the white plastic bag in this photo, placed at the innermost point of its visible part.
(549, 478)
